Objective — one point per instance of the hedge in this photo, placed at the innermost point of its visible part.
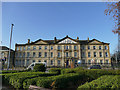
(94, 73)
(58, 70)
(104, 82)
(60, 81)
(17, 79)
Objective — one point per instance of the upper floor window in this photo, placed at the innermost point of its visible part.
(75, 47)
(40, 54)
(33, 54)
(83, 47)
(34, 47)
(83, 54)
(100, 53)
(94, 54)
(45, 47)
(88, 47)
(100, 47)
(94, 47)
(28, 54)
(51, 47)
(70, 47)
(24, 48)
(51, 54)
(106, 54)
(105, 47)
(66, 54)
(16, 54)
(20, 54)
(40, 47)
(59, 47)
(28, 48)
(89, 54)
(66, 47)
(17, 48)
(20, 48)
(75, 54)
(45, 54)
(24, 54)
(58, 54)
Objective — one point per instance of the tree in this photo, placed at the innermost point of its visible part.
(113, 11)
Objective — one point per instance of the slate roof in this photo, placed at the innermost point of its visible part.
(58, 40)
(5, 48)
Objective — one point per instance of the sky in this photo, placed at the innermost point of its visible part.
(46, 20)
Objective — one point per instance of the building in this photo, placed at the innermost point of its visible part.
(62, 52)
(4, 53)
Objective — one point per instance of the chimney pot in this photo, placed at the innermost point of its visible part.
(77, 38)
(28, 40)
(88, 39)
(55, 39)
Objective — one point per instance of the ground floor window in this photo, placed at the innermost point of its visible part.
(23, 62)
(89, 61)
(39, 61)
(33, 61)
(58, 62)
(16, 63)
(27, 62)
(101, 62)
(51, 62)
(107, 61)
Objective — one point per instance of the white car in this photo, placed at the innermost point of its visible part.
(33, 64)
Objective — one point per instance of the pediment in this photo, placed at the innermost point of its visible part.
(41, 42)
(67, 40)
(95, 42)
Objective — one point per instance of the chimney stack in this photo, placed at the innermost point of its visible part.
(88, 39)
(77, 38)
(28, 40)
(55, 39)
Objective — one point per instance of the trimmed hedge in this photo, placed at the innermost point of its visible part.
(58, 70)
(60, 81)
(16, 79)
(104, 82)
(39, 67)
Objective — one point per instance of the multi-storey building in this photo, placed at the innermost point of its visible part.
(62, 52)
(4, 53)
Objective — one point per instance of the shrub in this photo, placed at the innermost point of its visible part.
(39, 67)
(62, 81)
(16, 79)
(104, 82)
(58, 70)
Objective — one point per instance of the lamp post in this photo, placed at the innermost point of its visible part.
(10, 47)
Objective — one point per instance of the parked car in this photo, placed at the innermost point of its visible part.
(95, 67)
(33, 64)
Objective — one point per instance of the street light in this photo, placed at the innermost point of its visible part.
(10, 47)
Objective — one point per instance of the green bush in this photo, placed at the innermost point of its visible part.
(58, 70)
(62, 81)
(16, 79)
(104, 82)
(39, 67)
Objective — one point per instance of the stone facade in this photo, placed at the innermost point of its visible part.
(62, 52)
(4, 53)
